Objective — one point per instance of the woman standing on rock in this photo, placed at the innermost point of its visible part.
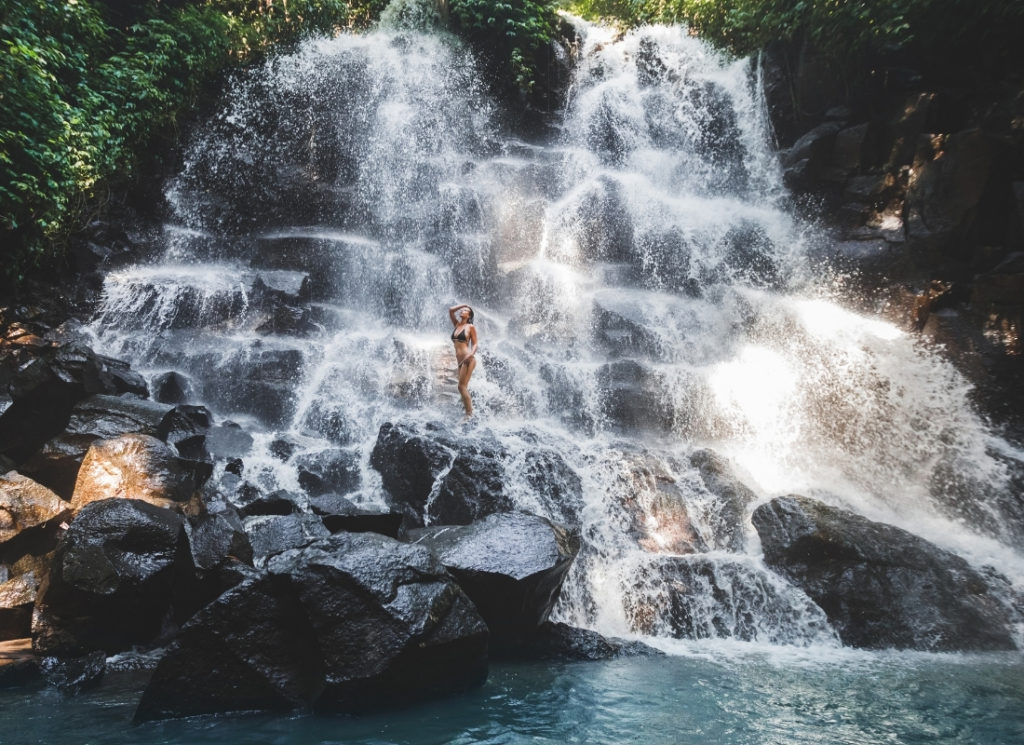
(464, 337)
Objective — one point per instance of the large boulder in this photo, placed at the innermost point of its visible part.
(46, 386)
(409, 460)
(133, 467)
(26, 506)
(329, 471)
(949, 177)
(473, 487)
(118, 578)
(511, 565)
(356, 621)
(879, 585)
(103, 417)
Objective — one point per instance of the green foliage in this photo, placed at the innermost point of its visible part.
(81, 97)
(843, 29)
(513, 32)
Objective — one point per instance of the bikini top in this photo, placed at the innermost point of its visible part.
(462, 336)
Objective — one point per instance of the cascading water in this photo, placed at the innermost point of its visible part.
(647, 311)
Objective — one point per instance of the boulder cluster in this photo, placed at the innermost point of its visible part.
(126, 525)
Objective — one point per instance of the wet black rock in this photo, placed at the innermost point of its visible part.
(123, 566)
(341, 515)
(185, 422)
(879, 585)
(251, 502)
(172, 388)
(221, 553)
(270, 535)
(556, 485)
(329, 471)
(216, 538)
(227, 441)
(102, 417)
(355, 622)
(71, 675)
(409, 461)
(473, 487)
(511, 565)
(620, 329)
(44, 389)
(563, 643)
(632, 396)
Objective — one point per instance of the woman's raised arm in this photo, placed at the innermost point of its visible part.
(451, 312)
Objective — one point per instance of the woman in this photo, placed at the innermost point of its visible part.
(464, 337)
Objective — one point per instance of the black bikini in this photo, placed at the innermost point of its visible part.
(462, 335)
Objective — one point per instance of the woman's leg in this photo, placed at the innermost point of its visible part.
(465, 373)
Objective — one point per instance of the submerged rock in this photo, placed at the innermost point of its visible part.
(564, 643)
(72, 674)
(354, 622)
(511, 565)
(879, 585)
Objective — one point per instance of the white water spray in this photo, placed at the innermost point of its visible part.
(642, 296)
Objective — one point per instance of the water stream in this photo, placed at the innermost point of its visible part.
(645, 300)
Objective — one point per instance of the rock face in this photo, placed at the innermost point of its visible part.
(511, 565)
(356, 621)
(133, 467)
(694, 597)
(659, 520)
(118, 577)
(879, 585)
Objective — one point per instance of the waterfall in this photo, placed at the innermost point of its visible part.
(648, 312)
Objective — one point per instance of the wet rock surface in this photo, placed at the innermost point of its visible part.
(121, 573)
(133, 467)
(438, 475)
(879, 585)
(565, 643)
(26, 505)
(348, 624)
(511, 565)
